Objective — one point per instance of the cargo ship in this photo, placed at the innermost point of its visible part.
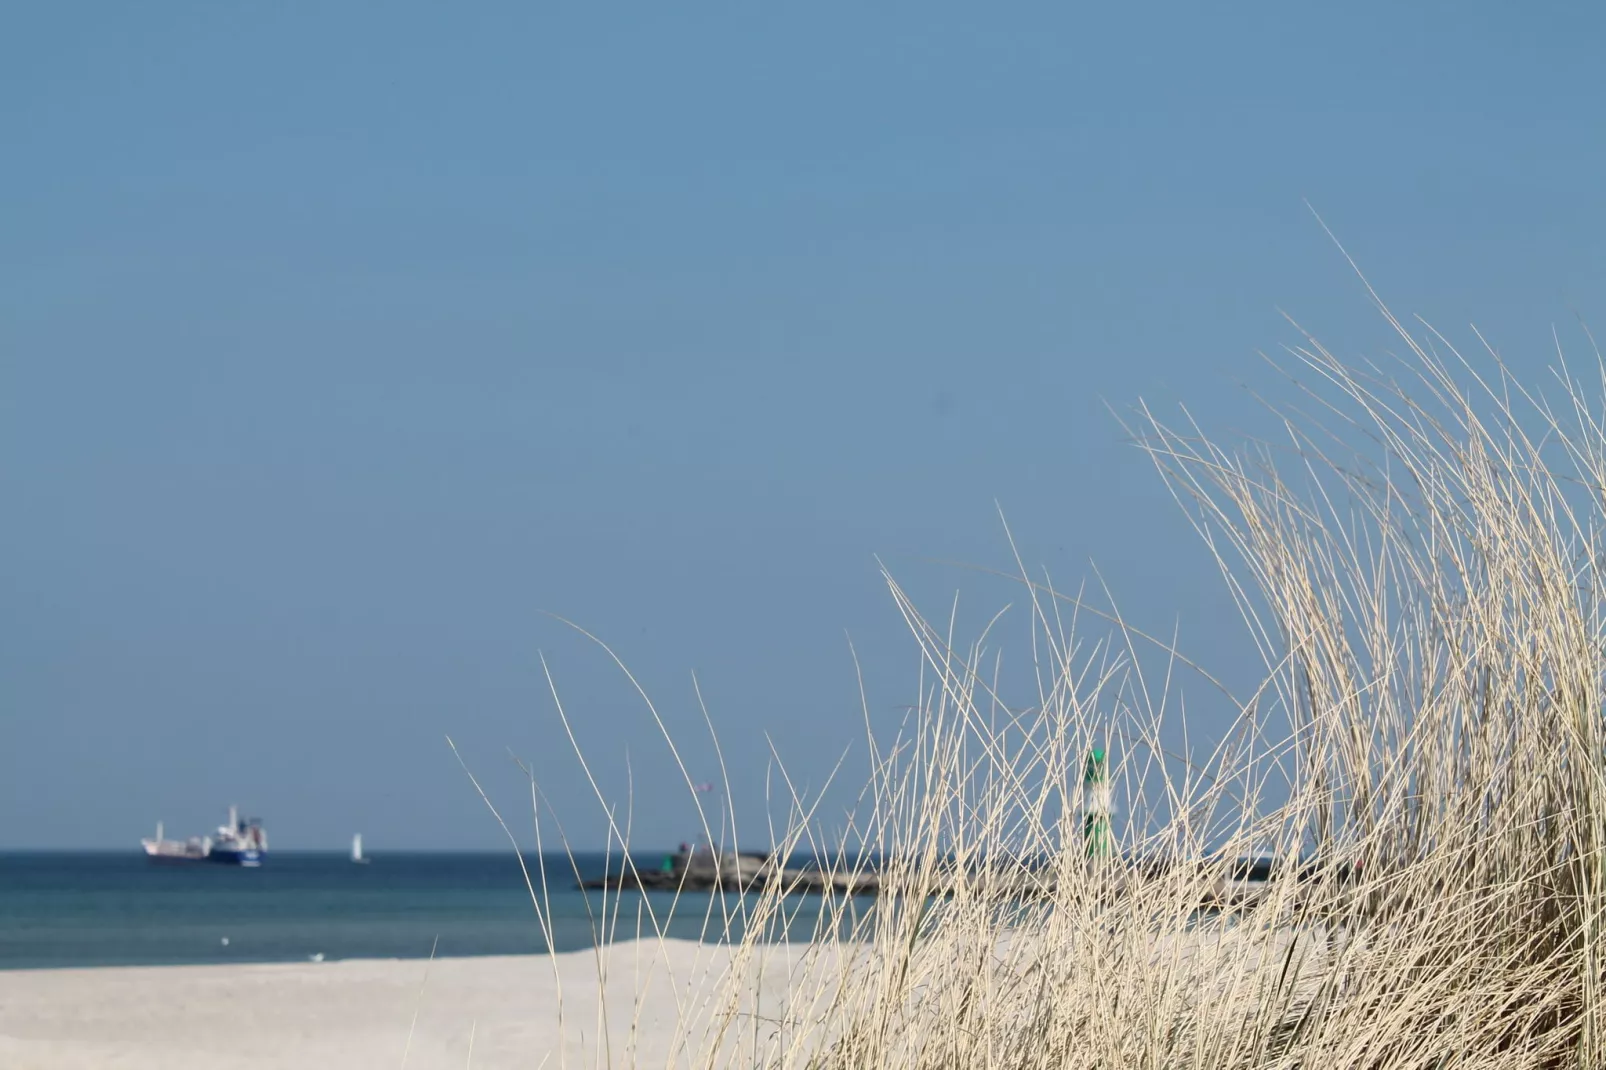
(238, 843)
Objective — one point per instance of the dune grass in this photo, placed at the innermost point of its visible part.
(1417, 564)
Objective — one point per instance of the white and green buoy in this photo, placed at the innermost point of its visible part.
(1096, 832)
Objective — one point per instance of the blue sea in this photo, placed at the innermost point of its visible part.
(117, 908)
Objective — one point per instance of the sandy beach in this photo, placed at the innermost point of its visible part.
(502, 1010)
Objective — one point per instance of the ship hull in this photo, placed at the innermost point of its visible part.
(249, 857)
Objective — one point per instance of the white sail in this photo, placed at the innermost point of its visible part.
(356, 848)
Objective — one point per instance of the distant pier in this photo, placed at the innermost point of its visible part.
(1235, 885)
(705, 869)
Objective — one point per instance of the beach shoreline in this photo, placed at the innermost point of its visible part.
(359, 1012)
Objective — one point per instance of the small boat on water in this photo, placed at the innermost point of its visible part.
(356, 850)
(238, 843)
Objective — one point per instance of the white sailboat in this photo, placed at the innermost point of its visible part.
(356, 850)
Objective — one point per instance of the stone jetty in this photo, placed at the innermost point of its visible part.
(704, 869)
(1235, 885)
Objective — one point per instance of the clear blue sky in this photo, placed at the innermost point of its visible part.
(338, 341)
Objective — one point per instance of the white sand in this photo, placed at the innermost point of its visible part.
(358, 1013)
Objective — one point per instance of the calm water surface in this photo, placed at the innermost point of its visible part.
(117, 908)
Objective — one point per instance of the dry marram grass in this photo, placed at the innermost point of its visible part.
(1419, 566)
